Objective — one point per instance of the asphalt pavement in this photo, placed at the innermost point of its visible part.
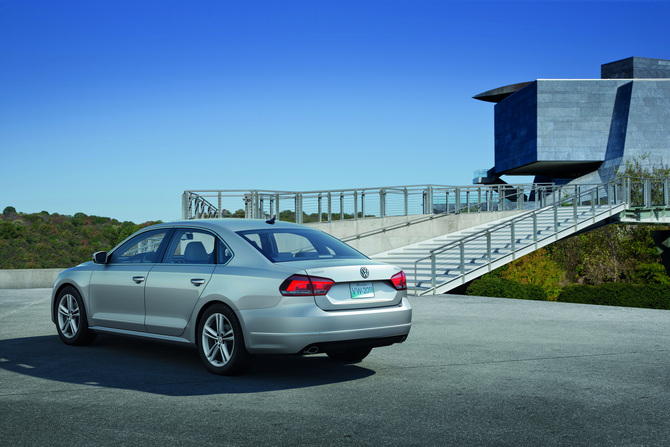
(473, 372)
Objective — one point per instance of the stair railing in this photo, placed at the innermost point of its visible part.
(602, 195)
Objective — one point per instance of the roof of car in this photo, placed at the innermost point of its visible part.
(232, 225)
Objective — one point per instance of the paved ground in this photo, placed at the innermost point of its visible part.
(474, 371)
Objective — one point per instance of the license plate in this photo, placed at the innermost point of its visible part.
(362, 290)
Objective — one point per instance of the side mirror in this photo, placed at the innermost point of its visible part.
(100, 257)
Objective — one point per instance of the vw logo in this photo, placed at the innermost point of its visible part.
(365, 272)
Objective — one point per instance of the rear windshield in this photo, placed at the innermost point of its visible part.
(297, 244)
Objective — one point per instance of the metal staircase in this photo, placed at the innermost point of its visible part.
(441, 264)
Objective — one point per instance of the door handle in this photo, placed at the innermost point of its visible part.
(197, 282)
(138, 279)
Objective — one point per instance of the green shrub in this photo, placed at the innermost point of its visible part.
(535, 268)
(650, 296)
(650, 273)
(506, 288)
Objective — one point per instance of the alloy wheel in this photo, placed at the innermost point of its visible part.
(69, 317)
(218, 339)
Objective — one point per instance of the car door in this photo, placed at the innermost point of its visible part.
(117, 288)
(175, 285)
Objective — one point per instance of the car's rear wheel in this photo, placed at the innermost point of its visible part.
(349, 355)
(221, 343)
(71, 321)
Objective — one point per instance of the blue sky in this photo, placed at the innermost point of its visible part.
(114, 108)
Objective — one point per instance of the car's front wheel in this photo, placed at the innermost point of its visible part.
(71, 321)
(221, 343)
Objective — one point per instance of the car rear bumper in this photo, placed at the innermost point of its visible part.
(308, 326)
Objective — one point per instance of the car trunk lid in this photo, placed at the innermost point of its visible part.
(357, 286)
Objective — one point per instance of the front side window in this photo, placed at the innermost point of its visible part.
(281, 245)
(143, 248)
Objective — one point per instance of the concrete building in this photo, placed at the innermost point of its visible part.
(582, 130)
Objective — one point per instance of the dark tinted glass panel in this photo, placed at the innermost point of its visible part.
(281, 245)
(191, 247)
(143, 248)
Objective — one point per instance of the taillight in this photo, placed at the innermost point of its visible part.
(399, 281)
(321, 285)
(300, 285)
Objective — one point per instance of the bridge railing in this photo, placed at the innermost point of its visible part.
(645, 192)
(361, 203)
(364, 203)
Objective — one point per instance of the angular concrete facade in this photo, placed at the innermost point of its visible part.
(583, 130)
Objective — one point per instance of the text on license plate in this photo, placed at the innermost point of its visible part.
(362, 290)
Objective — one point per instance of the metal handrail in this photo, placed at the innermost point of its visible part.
(361, 203)
(511, 223)
(356, 203)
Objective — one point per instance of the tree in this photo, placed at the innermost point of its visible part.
(8, 210)
(639, 169)
(607, 254)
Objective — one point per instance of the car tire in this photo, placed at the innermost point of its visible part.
(349, 355)
(221, 342)
(71, 321)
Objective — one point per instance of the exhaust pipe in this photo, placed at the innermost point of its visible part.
(311, 350)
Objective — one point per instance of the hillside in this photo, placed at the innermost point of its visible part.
(44, 240)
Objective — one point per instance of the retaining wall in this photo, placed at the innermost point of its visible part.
(28, 278)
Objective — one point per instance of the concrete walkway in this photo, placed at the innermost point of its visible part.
(474, 372)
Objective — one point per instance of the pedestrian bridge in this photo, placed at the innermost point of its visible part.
(446, 236)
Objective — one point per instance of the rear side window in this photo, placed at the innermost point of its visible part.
(191, 247)
(281, 245)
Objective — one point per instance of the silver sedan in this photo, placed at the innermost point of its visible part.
(236, 288)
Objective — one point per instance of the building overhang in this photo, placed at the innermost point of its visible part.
(498, 94)
(558, 169)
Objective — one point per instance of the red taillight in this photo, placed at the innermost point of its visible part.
(296, 285)
(299, 285)
(399, 281)
(321, 285)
